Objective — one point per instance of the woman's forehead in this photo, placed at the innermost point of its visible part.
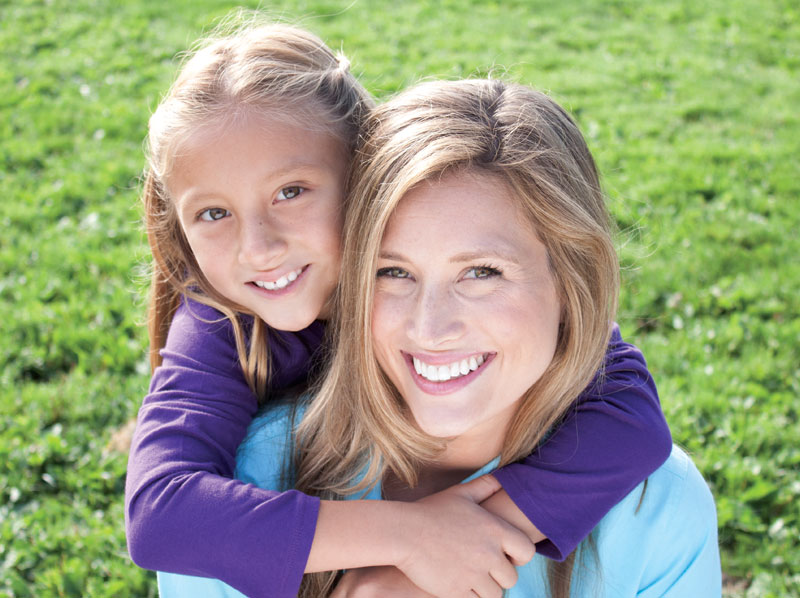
(463, 214)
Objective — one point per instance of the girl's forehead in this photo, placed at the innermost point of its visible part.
(275, 128)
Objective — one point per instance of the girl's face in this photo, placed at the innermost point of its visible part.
(260, 204)
(466, 312)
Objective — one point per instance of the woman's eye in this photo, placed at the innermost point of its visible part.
(289, 192)
(213, 214)
(393, 272)
(482, 272)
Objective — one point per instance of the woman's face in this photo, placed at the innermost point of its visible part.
(466, 312)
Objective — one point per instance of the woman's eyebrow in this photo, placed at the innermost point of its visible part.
(467, 256)
(482, 254)
(395, 257)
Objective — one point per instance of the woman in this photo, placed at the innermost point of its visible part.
(462, 350)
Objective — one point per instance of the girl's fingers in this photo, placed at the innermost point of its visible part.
(518, 546)
(504, 574)
(479, 489)
(488, 588)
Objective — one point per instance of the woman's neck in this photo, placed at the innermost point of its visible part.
(462, 457)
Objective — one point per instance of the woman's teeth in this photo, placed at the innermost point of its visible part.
(443, 373)
(281, 283)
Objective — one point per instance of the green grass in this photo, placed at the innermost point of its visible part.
(690, 109)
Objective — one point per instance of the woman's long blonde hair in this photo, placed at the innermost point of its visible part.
(244, 68)
(358, 422)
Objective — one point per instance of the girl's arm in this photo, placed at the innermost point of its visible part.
(612, 439)
(183, 512)
(185, 515)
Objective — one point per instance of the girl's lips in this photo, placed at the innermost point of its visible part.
(453, 384)
(282, 286)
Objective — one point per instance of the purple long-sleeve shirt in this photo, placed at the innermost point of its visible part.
(184, 513)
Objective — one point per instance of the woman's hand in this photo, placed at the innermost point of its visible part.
(455, 548)
(377, 582)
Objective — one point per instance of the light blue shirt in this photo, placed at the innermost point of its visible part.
(662, 544)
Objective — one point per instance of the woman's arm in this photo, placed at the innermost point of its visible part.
(612, 439)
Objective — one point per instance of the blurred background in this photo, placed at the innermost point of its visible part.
(690, 108)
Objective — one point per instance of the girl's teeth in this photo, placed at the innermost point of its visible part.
(281, 283)
(443, 373)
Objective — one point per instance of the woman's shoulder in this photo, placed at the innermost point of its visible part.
(663, 535)
(265, 453)
(680, 483)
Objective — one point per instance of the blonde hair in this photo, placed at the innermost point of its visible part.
(243, 68)
(357, 421)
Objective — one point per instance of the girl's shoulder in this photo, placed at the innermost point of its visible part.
(193, 318)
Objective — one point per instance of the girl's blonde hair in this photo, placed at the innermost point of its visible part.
(522, 138)
(244, 68)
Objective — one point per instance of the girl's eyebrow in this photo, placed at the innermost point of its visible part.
(300, 167)
(192, 197)
(295, 167)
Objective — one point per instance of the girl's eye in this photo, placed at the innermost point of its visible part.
(482, 272)
(213, 214)
(289, 192)
(393, 272)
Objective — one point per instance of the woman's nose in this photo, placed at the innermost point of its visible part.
(436, 318)
(262, 246)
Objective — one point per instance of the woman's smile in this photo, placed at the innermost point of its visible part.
(443, 374)
(466, 313)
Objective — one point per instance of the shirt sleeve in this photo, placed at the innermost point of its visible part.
(183, 512)
(614, 436)
(262, 459)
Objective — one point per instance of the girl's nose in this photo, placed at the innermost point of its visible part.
(435, 319)
(262, 246)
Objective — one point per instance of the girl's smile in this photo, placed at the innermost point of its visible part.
(282, 282)
(259, 202)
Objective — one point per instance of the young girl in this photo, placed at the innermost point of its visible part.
(525, 282)
(243, 205)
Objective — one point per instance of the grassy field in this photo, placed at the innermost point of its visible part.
(691, 109)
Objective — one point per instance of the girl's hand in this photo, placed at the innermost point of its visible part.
(455, 548)
(377, 582)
